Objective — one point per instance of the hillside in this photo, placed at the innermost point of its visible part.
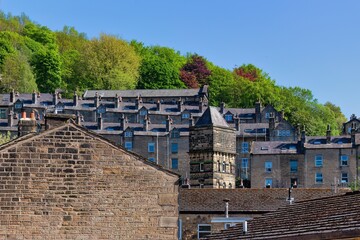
(35, 58)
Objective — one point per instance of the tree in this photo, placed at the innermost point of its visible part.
(17, 74)
(221, 82)
(109, 63)
(195, 72)
(249, 72)
(4, 138)
(160, 67)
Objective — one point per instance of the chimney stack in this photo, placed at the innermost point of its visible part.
(168, 124)
(201, 105)
(100, 122)
(138, 103)
(158, 105)
(258, 111)
(179, 105)
(34, 97)
(10, 119)
(75, 99)
(55, 98)
(272, 125)
(123, 121)
(353, 131)
(53, 120)
(328, 134)
(222, 107)
(237, 123)
(146, 123)
(96, 100)
(27, 125)
(12, 96)
(118, 101)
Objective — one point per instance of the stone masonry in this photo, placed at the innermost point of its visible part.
(68, 183)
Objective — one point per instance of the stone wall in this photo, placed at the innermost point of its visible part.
(67, 183)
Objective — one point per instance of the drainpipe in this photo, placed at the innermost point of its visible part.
(226, 207)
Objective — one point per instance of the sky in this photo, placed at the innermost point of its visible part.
(310, 44)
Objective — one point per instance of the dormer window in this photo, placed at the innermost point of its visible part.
(143, 112)
(59, 107)
(101, 109)
(229, 117)
(128, 134)
(18, 104)
(185, 116)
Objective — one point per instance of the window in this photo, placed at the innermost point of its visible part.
(128, 145)
(175, 133)
(128, 134)
(318, 161)
(151, 147)
(318, 178)
(244, 147)
(2, 113)
(201, 167)
(185, 116)
(267, 115)
(283, 133)
(344, 160)
(268, 167)
(293, 166)
(174, 148)
(344, 178)
(293, 182)
(224, 184)
(230, 185)
(152, 159)
(229, 117)
(143, 112)
(268, 182)
(203, 230)
(219, 166)
(174, 163)
(224, 166)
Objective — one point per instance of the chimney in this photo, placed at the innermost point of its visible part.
(117, 101)
(237, 123)
(258, 111)
(78, 118)
(55, 98)
(222, 107)
(353, 130)
(201, 105)
(328, 134)
(303, 139)
(168, 124)
(290, 199)
(281, 115)
(27, 125)
(96, 100)
(10, 119)
(123, 121)
(138, 103)
(12, 96)
(146, 123)
(75, 99)
(272, 125)
(100, 122)
(179, 105)
(158, 105)
(191, 120)
(226, 207)
(53, 120)
(34, 97)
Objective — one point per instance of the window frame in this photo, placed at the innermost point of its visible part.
(318, 176)
(342, 177)
(127, 144)
(174, 149)
(342, 160)
(269, 180)
(151, 147)
(319, 162)
(128, 134)
(267, 168)
(244, 147)
(177, 163)
(292, 168)
(207, 232)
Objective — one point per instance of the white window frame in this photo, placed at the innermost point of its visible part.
(201, 167)
(319, 176)
(206, 231)
(268, 180)
(319, 159)
(244, 147)
(346, 178)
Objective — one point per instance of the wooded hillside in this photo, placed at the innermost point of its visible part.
(35, 58)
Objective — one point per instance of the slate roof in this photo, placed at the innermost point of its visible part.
(243, 200)
(212, 117)
(324, 218)
(274, 147)
(335, 142)
(143, 93)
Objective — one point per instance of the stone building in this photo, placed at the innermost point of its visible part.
(152, 123)
(69, 183)
(311, 162)
(203, 211)
(212, 152)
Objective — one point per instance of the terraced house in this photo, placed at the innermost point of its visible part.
(153, 123)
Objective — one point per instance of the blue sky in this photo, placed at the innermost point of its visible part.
(310, 44)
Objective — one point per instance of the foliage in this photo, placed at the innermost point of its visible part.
(249, 72)
(4, 138)
(195, 72)
(221, 81)
(160, 67)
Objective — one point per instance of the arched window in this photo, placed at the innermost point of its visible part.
(230, 185)
(219, 167)
(224, 166)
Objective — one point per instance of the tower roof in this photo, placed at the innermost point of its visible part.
(211, 116)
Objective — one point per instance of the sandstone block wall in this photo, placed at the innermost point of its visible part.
(69, 184)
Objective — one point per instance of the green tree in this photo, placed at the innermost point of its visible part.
(160, 67)
(221, 81)
(109, 63)
(17, 74)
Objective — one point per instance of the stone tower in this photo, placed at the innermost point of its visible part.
(212, 152)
